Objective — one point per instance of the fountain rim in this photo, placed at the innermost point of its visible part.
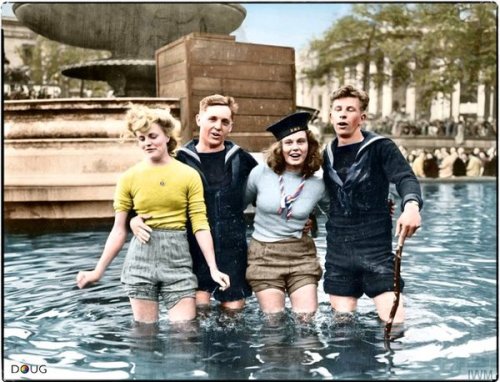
(54, 104)
(235, 6)
(110, 62)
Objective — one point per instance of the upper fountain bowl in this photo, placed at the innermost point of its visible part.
(127, 29)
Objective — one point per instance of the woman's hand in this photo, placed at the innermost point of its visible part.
(220, 278)
(85, 278)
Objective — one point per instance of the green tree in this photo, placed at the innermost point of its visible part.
(370, 33)
(430, 45)
(459, 45)
(47, 59)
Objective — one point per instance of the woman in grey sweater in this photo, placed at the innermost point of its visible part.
(282, 259)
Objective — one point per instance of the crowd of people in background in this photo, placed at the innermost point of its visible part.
(30, 92)
(398, 124)
(452, 162)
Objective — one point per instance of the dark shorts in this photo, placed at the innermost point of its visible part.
(354, 267)
(231, 259)
(162, 266)
(286, 265)
(239, 288)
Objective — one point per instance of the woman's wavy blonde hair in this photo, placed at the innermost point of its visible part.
(312, 163)
(141, 118)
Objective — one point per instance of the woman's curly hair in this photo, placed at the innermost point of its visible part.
(141, 118)
(312, 163)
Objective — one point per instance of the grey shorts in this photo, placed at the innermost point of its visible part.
(162, 266)
(286, 265)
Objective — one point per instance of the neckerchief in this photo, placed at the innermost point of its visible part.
(286, 201)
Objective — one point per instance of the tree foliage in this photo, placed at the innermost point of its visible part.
(430, 45)
(48, 57)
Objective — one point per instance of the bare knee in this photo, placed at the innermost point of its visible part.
(271, 300)
(305, 299)
(145, 311)
(343, 304)
(184, 310)
(384, 303)
(233, 305)
(202, 298)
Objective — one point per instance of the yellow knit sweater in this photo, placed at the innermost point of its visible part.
(165, 192)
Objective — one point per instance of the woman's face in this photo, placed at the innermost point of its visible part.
(154, 143)
(295, 147)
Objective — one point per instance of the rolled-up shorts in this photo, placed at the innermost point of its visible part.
(357, 266)
(286, 265)
(162, 266)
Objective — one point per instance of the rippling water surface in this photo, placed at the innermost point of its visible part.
(450, 296)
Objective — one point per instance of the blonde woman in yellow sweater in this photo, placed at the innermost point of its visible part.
(169, 191)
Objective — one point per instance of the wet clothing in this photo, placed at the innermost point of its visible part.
(359, 256)
(162, 266)
(169, 193)
(263, 189)
(354, 267)
(286, 265)
(224, 198)
(164, 192)
(280, 255)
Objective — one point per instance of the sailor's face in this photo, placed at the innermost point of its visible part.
(346, 116)
(215, 124)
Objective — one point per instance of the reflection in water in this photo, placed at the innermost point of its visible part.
(450, 297)
(286, 347)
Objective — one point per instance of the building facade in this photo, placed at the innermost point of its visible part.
(480, 104)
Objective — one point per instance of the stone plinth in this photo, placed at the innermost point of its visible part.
(63, 157)
(260, 77)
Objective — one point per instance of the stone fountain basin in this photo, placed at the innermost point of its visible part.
(62, 157)
(127, 29)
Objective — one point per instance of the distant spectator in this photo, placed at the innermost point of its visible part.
(459, 168)
(449, 126)
(474, 166)
(418, 164)
(433, 129)
(446, 166)
(431, 167)
(490, 167)
(459, 137)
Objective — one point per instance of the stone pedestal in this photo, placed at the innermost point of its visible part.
(261, 78)
(63, 157)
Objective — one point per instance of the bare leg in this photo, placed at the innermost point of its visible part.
(384, 302)
(184, 310)
(305, 299)
(145, 311)
(233, 305)
(202, 298)
(343, 304)
(271, 300)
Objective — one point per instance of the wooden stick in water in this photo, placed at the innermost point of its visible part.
(397, 278)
